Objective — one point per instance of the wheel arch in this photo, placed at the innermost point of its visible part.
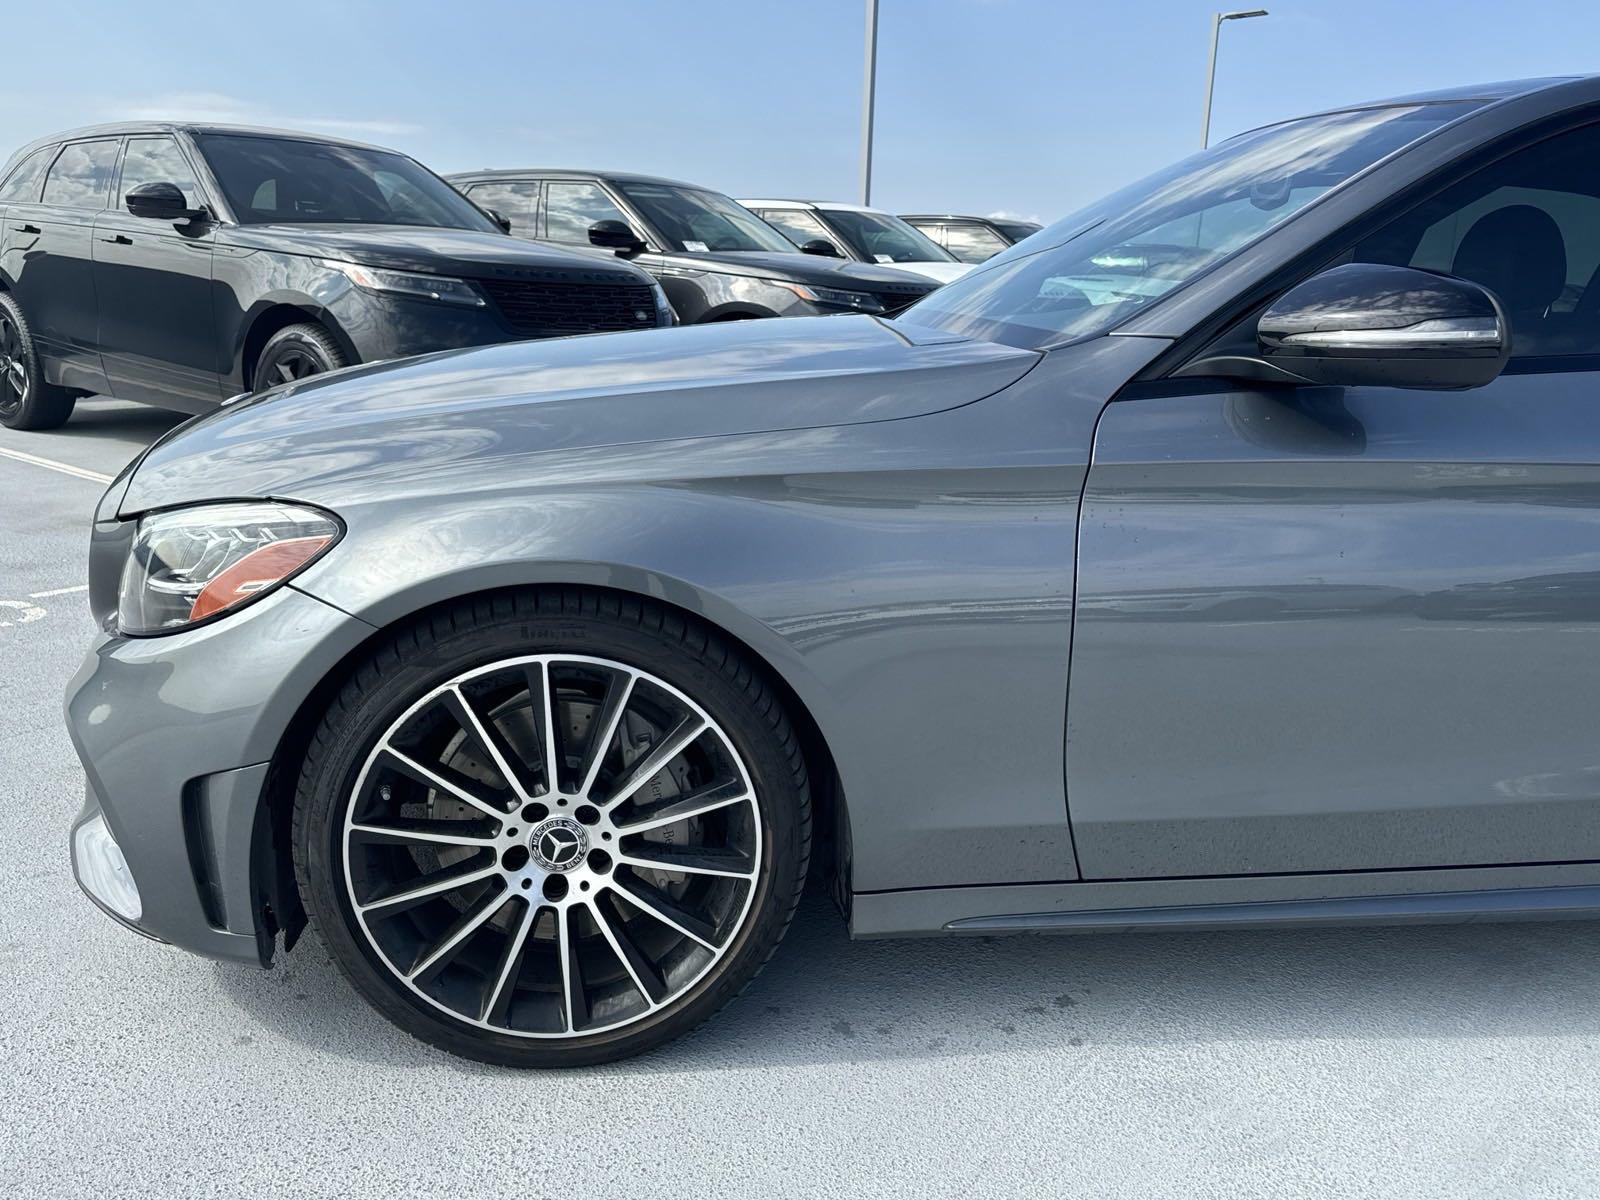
(279, 906)
(275, 313)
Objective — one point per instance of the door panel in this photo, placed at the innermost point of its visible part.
(49, 256)
(1325, 629)
(158, 331)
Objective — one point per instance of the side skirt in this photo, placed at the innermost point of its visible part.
(1368, 897)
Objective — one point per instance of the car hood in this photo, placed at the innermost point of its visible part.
(391, 425)
(936, 270)
(433, 250)
(805, 268)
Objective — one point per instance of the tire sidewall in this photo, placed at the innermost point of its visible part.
(300, 337)
(326, 788)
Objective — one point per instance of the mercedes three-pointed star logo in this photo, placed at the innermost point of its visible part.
(559, 844)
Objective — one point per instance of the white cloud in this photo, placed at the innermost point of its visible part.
(1005, 214)
(231, 110)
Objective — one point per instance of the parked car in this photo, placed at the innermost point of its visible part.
(1228, 556)
(177, 264)
(972, 239)
(863, 234)
(716, 260)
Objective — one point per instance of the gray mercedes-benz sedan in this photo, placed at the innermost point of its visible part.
(1228, 554)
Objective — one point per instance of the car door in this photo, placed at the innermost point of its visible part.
(49, 257)
(1323, 629)
(157, 328)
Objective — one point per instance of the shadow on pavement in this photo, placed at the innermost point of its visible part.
(826, 999)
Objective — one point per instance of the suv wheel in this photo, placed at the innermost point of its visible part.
(552, 830)
(26, 400)
(296, 352)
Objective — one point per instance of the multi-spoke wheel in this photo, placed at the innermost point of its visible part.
(26, 400)
(549, 853)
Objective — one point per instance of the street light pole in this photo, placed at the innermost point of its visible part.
(1211, 71)
(868, 100)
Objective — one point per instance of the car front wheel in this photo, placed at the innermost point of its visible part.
(552, 829)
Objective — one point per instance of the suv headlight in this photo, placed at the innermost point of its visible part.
(191, 564)
(833, 297)
(665, 313)
(404, 283)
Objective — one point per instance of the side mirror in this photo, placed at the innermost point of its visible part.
(820, 247)
(160, 202)
(500, 219)
(615, 235)
(1367, 325)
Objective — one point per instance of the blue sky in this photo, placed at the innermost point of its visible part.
(1025, 106)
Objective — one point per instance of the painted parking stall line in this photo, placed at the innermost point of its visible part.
(53, 465)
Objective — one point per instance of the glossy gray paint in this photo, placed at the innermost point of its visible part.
(1326, 629)
(889, 519)
(899, 519)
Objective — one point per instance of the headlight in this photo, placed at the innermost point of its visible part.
(834, 297)
(419, 287)
(193, 563)
(665, 313)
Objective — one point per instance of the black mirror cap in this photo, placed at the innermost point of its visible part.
(159, 201)
(615, 235)
(500, 219)
(1372, 325)
(820, 247)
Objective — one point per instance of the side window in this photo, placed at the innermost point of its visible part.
(516, 202)
(1528, 229)
(157, 160)
(972, 243)
(81, 176)
(22, 185)
(570, 208)
(799, 226)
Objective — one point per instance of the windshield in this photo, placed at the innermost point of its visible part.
(282, 180)
(697, 221)
(1096, 268)
(879, 237)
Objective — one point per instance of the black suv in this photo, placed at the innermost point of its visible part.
(972, 239)
(178, 264)
(717, 260)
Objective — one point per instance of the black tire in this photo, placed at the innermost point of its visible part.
(296, 352)
(26, 400)
(412, 663)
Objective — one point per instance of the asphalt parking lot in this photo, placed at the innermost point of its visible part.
(1417, 1062)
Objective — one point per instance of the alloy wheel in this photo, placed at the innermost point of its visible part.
(552, 846)
(13, 369)
(290, 364)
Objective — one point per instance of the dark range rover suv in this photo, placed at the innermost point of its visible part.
(179, 264)
(717, 260)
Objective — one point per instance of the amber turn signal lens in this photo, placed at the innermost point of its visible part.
(254, 572)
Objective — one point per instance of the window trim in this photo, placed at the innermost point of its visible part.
(120, 140)
(652, 238)
(1337, 246)
(49, 159)
(118, 204)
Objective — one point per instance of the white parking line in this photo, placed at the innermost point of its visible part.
(77, 587)
(52, 464)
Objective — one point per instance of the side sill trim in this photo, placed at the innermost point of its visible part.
(1498, 904)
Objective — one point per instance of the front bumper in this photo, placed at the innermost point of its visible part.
(177, 735)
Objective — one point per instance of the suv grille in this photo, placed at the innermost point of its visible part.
(546, 309)
(896, 297)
